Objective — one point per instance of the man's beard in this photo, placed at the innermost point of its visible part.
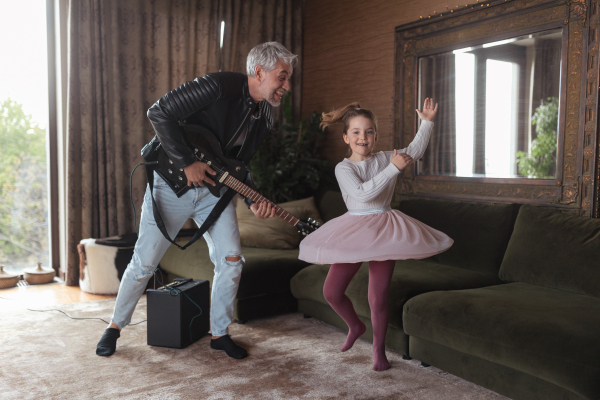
(270, 97)
(271, 100)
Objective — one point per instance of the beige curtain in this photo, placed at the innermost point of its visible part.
(125, 55)
(248, 23)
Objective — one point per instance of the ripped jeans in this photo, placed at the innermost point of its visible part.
(223, 239)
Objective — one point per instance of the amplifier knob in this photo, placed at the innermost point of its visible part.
(170, 161)
(180, 177)
(195, 150)
(180, 169)
(237, 168)
(170, 170)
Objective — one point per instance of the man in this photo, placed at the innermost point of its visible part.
(236, 108)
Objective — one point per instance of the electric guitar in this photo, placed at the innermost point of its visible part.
(230, 173)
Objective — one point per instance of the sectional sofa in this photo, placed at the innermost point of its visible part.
(513, 306)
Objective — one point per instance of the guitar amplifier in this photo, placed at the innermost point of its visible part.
(173, 320)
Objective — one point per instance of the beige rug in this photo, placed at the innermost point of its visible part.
(49, 356)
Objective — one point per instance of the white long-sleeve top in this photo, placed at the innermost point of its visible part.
(370, 183)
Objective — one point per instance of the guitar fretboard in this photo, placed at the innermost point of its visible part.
(252, 194)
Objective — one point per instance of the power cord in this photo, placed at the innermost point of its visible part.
(56, 309)
(172, 291)
(176, 292)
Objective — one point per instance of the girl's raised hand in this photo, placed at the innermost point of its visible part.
(428, 110)
(401, 160)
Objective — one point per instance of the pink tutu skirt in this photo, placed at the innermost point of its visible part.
(389, 235)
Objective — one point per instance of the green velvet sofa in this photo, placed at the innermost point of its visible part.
(537, 335)
(513, 306)
(265, 282)
(264, 285)
(481, 234)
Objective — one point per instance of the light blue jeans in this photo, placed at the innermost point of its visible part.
(223, 239)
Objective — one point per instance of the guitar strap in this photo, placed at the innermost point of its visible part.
(212, 217)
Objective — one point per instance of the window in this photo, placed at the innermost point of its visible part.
(24, 238)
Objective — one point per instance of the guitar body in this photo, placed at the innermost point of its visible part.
(208, 150)
(229, 172)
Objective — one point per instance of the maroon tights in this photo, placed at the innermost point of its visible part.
(380, 276)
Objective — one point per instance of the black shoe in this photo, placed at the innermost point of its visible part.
(226, 344)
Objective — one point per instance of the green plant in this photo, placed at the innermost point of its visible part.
(23, 188)
(541, 161)
(286, 166)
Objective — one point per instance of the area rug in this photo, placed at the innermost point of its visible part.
(47, 355)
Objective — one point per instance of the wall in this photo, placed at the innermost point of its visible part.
(348, 56)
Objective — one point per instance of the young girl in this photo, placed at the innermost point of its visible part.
(371, 230)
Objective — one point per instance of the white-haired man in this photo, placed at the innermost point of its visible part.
(237, 109)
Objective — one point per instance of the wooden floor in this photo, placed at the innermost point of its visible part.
(39, 296)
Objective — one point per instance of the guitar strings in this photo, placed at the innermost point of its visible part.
(261, 197)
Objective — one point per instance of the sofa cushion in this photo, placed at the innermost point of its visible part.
(556, 250)
(480, 232)
(410, 278)
(331, 205)
(274, 233)
(544, 332)
(265, 271)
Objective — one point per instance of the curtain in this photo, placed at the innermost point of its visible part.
(437, 81)
(259, 21)
(546, 73)
(123, 56)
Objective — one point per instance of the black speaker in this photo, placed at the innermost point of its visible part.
(170, 316)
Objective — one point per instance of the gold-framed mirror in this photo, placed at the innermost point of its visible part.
(517, 84)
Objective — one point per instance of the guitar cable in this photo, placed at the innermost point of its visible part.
(56, 309)
(135, 219)
(131, 193)
(172, 291)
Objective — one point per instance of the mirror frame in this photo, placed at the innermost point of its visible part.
(575, 188)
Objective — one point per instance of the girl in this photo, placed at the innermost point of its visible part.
(371, 230)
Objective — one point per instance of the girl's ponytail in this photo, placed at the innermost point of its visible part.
(334, 116)
(344, 114)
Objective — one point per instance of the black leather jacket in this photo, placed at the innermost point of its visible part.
(220, 102)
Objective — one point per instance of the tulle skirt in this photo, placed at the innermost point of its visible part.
(389, 235)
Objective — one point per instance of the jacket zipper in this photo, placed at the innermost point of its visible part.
(244, 141)
(238, 130)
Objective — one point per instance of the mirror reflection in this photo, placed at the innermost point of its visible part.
(498, 114)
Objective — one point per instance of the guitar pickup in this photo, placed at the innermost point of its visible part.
(223, 177)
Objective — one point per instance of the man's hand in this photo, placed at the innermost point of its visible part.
(196, 174)
(428, 110)
(263, 210)
(401, 160)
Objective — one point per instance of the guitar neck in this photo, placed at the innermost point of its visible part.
(252, 194)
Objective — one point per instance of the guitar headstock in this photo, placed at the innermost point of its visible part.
(307, 227)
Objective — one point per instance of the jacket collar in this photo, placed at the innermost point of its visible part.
(246, 94)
